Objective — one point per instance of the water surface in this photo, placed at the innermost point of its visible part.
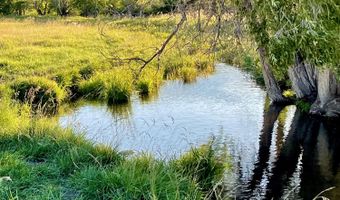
(278, 152)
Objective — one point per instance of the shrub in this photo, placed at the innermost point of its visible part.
(89, 7)
(6, 7)
(41, 93)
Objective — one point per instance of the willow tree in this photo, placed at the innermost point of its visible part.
(301, 37)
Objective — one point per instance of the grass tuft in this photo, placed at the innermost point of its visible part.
(188, 74)
(41, 93)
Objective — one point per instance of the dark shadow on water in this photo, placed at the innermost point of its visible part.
(271, 115)
(306, 162)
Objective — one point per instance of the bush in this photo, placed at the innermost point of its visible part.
(6, 7)
(41, 93)
(89, 7)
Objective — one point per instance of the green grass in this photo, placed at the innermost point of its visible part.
(47, 162)
(74, 51)
(40, 93)
(149, 82)
(303, 105)
(119, 88)
(188, 74)
(94, 88)
(46, 61)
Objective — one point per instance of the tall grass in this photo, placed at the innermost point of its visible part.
(75, 54)
(45, 162)
(44, 62)
(40, 93)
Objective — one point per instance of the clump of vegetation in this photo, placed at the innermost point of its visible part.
(149, 81)
(303, 105)
(119, 90)
(203, 165)
(205, 66)
(290, 94)
(13, 117)
(138, 178)
(188, 74)
(44, 161)
(87, 72)
(114, 86)
(69, 81)
(249, 65)
(94, 88)
(40, 93)
(145, 86)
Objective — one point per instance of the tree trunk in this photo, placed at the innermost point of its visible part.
(273, 89)
(328, 100)
(304, 80)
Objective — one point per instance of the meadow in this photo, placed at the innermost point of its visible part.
(46, 62)
(74, 53)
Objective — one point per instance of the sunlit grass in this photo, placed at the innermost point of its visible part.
(74, 52)
(44, 161)
(60, 59)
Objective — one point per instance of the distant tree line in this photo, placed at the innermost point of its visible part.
(87, 8)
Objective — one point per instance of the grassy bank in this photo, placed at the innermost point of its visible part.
(39, 160)
(80, 55)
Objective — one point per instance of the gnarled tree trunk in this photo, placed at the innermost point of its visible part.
(273, 89)
(328, 100)
(304, 79)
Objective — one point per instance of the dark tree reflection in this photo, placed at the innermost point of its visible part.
(306, 158)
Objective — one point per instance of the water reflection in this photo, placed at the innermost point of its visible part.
(304, 162)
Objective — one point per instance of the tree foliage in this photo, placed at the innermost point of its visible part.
(89, 7)
(285, 27)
